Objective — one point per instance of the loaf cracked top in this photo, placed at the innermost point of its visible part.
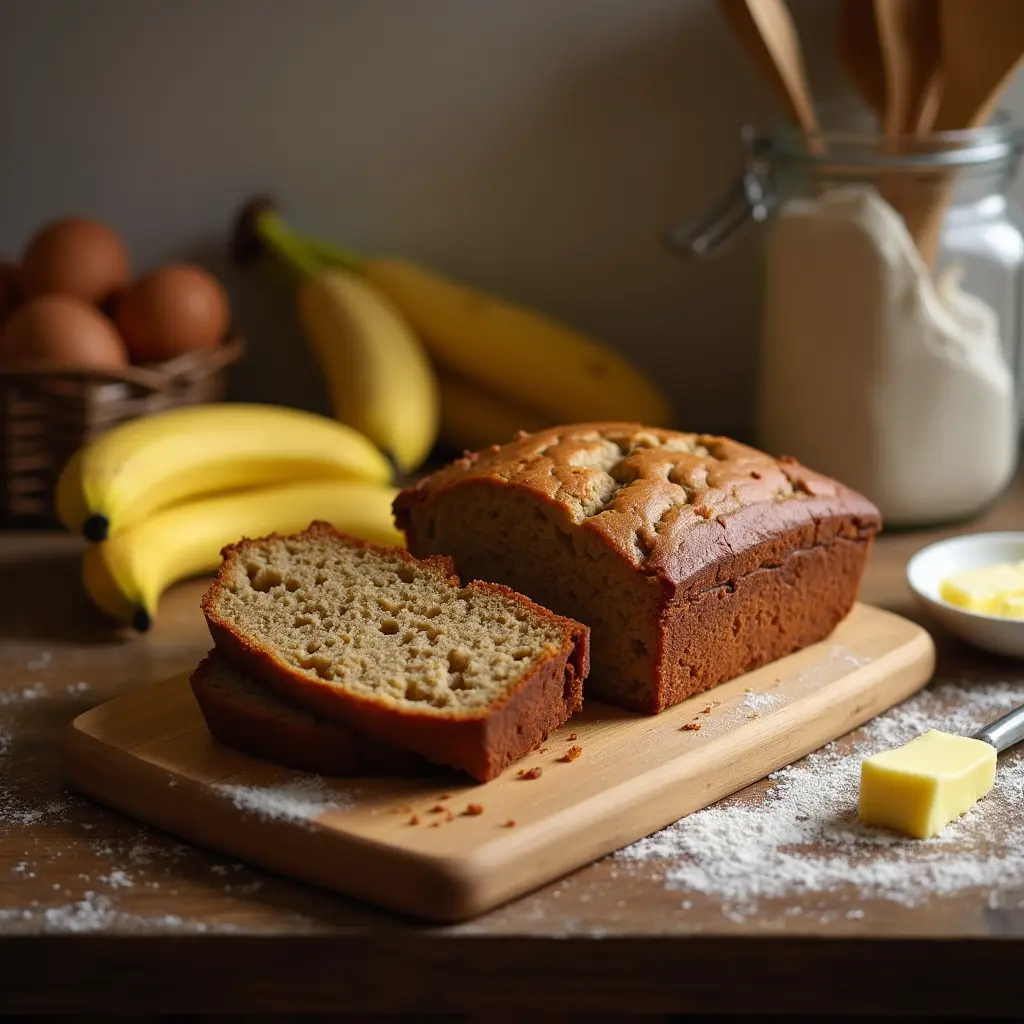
(674, 505)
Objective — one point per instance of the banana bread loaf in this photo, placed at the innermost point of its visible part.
(397, 649)
(692, 558)
(252, 719)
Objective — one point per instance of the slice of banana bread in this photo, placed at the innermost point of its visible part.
(692, 558)
(252, 719)
(396, 648)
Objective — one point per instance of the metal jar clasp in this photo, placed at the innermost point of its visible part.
(750, 197)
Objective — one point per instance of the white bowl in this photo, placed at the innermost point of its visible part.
(931, 565)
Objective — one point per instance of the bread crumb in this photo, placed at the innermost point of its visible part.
(511, 823)
(532, 773)
(691, 727)
(403, 809)
(445, 796)
(473, 810)
(437, 809)
(753, 714)
(449, 816)
(748, 689)
(414, 820)
(571, 754)
(571, 736)
(543, 750)
(521, 772)
(435, 824)
(707, 710)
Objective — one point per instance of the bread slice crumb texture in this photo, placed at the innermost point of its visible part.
(381, 625)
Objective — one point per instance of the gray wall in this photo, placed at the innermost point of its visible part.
(533, 147)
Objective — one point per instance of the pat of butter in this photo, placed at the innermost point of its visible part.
(921, 787)
(991, 589)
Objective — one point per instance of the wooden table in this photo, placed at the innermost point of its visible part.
(100, 912)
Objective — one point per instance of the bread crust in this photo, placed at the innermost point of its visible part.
(481, 742)
(289, 736)
(712, 524)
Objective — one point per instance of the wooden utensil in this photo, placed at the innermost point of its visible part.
(982, 48)
(982, 45)
(766, 30)
(860, 51)
(400, 843)
(908, 36)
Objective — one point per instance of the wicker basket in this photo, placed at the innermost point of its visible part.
(46, 415)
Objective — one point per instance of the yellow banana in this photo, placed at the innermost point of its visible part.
(511, 350)
(380, 379)
(472, 418)
(516, 352)
(159, 460)
(126, 575)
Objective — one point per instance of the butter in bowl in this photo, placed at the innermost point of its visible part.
(974, 586)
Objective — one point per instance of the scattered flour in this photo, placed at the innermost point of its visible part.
(22, 696)
(15, 812)
(760, 701)
(804, 836)
(79, 687)
(118, 879)
(6, 741)
(95, 913)
(303, 800)
(41, 662)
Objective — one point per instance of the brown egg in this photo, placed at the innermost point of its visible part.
(75, 256)
(176, 308)
(62, 331)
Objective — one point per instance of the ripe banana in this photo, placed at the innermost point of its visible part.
(126, 575)
(472, 419)
(516, 352)
(380, 379)
(511, 350)
(149, 463)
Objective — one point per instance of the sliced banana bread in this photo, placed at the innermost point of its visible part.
(396, 648)
(252, 719)
(691, 557)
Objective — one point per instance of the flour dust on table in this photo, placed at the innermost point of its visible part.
(803, 837)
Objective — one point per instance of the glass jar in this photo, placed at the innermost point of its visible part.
(890, 353)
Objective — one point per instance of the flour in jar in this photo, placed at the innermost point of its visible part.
(871, 372)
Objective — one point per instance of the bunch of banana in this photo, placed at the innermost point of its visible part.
(161, 495)
(497, 364)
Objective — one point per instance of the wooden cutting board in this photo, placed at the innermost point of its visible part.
(148, 753)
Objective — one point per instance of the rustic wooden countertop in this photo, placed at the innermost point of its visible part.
(99, 910)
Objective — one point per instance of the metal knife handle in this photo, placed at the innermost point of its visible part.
(1004, 732)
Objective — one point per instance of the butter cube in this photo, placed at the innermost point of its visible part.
(990, 589)
(921, 787)
(1010, 606)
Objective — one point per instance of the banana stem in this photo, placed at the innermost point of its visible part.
(330, 254)
(282, 242)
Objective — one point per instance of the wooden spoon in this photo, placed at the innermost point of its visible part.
(908, 34)
(982, 48)
(766, 30)
(860, 51)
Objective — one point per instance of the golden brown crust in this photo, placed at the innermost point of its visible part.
(671, 504)
(321, 529)
(712, 524)
(480, 742)
(288, 735)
